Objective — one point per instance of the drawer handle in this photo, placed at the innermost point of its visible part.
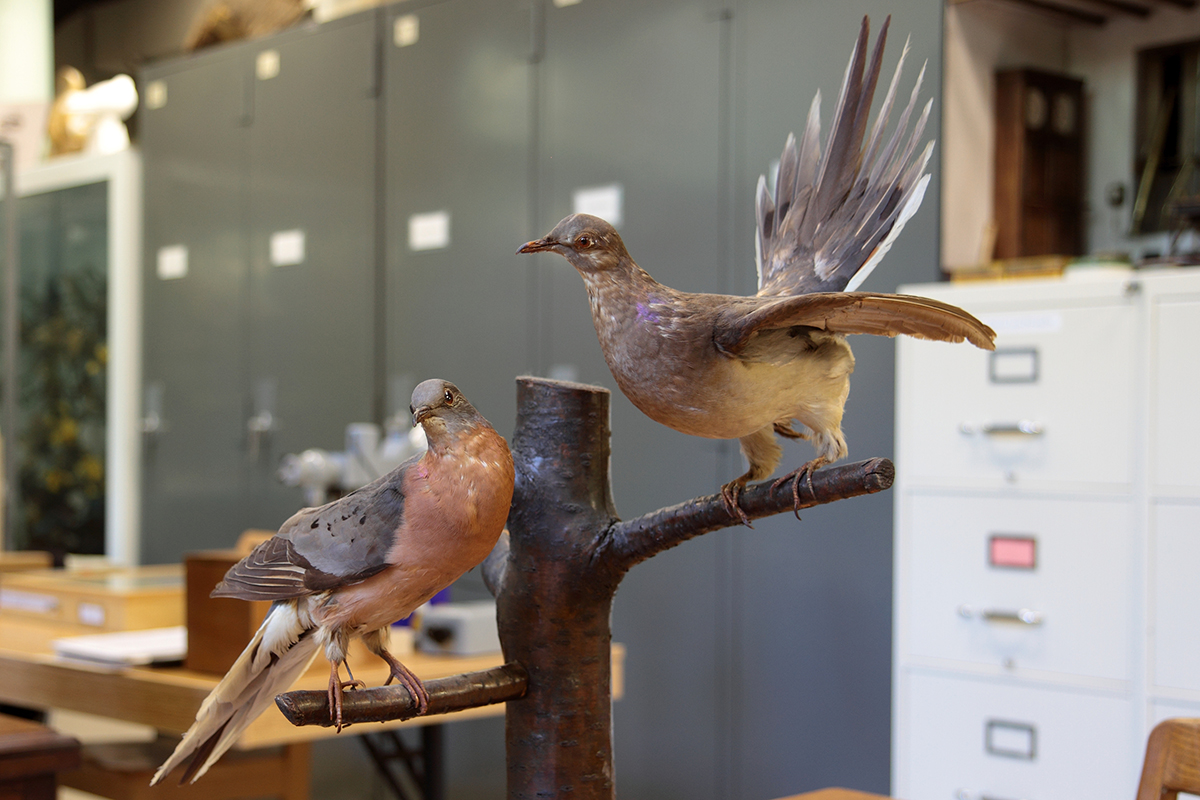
(963, 794)
(1022, 427)
(1025, 616)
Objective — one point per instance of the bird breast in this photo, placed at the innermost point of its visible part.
(456, 504)
(662, 355)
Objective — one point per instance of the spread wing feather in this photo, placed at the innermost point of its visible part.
(318, 549)
(853, 312)
(834, 215)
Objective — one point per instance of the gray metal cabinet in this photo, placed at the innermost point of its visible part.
(195, 144)
(312, 188)
(260, 177)
(457, 166)
(630, 97)
(456, 160)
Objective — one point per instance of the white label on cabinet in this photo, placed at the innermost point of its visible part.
(156, 94)
(406, 30)
(601, 201)
(266, 66)
(172, 262)
(429, 231)
(1025, 322)
(287, 248)
(565, 3)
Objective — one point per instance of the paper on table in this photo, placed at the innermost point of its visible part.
(126, 648)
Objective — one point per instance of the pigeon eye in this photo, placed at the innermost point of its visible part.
(449, 396)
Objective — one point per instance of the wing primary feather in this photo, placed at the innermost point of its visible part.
(909, 208)
(885, 159)
(885, 110)
(867, 92)
(830, 177)
(764, 212)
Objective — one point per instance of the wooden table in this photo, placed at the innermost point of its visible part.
(166, 698)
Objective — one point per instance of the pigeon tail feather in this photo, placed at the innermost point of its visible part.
(280, 651)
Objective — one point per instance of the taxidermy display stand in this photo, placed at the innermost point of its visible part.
(554, 576)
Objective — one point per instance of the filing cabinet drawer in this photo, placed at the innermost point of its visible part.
(969, 740)
(1175, 425)
(1024, 583)
(1175, 548)
(1049, 408)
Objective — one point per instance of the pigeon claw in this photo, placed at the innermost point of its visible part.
(405, 677)
(805, 472)
(729, 496)
(336, 686)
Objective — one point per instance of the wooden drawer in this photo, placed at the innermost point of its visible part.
(969, 739)
(1175, 553)
(1027, 585)
(112, 599)
(1049, 409)
(1175, 425)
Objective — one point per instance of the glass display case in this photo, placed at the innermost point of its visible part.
(71, 326)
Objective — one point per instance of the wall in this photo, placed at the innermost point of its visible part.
(982, 37)
(986, 35)
(1106, 59)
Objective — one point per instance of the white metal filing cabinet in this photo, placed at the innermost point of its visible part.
(1047, 538)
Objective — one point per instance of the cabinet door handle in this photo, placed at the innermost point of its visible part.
(1022, 427)
(1024, 616)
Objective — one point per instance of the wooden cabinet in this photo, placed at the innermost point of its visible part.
(1038, 201)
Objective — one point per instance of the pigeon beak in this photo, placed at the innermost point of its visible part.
(419, 414)
(538, 245)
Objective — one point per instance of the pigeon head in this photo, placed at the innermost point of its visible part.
(589, 243)
(439, 407)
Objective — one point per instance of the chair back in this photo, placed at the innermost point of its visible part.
(1172, 762)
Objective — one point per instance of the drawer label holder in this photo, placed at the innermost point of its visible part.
(1010, 739)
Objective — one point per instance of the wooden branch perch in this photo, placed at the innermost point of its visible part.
(455, 693)
(635, 540)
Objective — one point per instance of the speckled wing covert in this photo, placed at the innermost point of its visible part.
(833, 216)
(852, 312)
(318, 549)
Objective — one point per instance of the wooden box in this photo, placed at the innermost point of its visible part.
(74, 602)
(219, 628)
(24, 560)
